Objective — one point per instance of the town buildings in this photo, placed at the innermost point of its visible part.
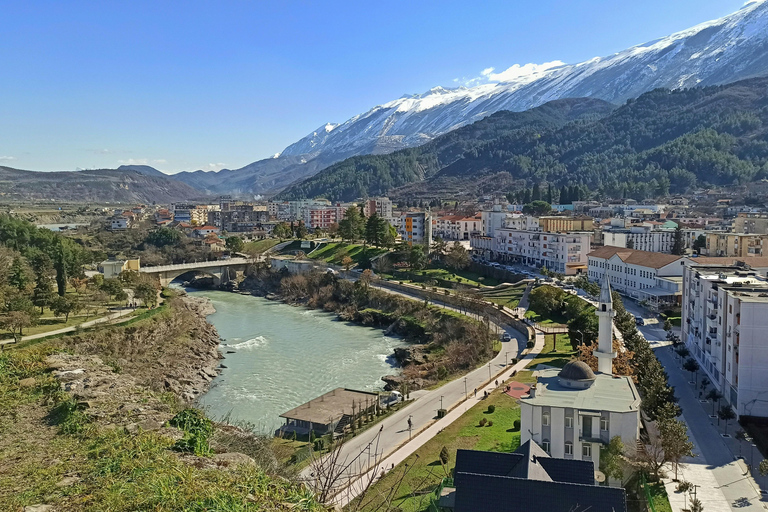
(754, 223)
(740, 245)
(724, 325)
(645, 236)
(642, 275)
(381, 206)
(456, 227)
(530, 241)
(571, 413)
(416, 228)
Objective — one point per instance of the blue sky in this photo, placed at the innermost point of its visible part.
(205, 85)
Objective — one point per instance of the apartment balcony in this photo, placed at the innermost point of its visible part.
(712, 331)
(713, 302)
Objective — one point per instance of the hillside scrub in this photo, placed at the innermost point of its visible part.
(79, 437)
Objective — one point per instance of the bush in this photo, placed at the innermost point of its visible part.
(684, 486)
(483, 422)
(517, 425)
(444, 456)
(490, 423)
(197, 429)
(491, 409)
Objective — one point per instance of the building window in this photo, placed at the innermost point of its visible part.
(604, 424)
(545, 419)
(586, 451)
(569, 422)
(545, 445)
(568, 448)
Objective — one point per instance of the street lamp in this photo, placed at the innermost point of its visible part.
(489, 371)
(581, 334)
(441, 401)
(465, 388)
(506, 355)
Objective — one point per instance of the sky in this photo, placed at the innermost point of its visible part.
(220, 84)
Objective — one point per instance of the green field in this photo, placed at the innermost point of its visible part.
(425, 471)
(459, 277)
(552, 357)
(259, 246)
(508, 296)
(334, 252)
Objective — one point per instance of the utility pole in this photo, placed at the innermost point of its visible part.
(506, 356)
(441, 401)
(489, 371)
(465, 388)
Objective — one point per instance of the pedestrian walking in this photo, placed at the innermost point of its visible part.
(497, 382)
(475, 392)
(410, 424)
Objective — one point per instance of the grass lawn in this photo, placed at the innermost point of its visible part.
(334, 252)
(508, 296)
(659, 497)
(460, 276)
(425, 470)
(552, 357)
(259, 246)
(553, 320)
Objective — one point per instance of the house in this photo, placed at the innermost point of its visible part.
(120, 223)
(112, 267)
(573, 412)
(204, 231)
(329, 413)
(528, 479)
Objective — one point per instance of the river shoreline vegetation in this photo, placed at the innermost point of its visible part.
(444, 344)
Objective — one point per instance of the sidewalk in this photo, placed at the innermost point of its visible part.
(90, 323)
(431, 430)
(724, 483)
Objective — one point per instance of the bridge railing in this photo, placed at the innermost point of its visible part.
(194, 265)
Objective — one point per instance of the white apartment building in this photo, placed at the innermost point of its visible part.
(416, 228)
(642, 275)
(643, 238)
(560, 252)
(724, 322)
(456, 227)
(573, 412)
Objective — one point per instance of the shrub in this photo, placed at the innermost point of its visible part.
(490, 423)
(483, 422)
(444, 456)
(491, 409)
(684, 486)
(517, 425)
(197, 429)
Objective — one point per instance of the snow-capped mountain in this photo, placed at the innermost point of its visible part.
(721, 51)
(726, 50)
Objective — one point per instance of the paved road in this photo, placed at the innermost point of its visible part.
(723, 484)
(100, 320)
(422, 412)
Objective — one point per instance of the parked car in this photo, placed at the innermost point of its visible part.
(639, 321)
(506, 337)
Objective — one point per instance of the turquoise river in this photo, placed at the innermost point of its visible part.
(284, 356)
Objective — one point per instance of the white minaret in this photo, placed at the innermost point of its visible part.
(605, 314)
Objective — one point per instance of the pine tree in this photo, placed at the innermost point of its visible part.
(549, 193)
(536, 194)
(678, 247)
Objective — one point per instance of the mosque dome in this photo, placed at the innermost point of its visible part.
(576, 374)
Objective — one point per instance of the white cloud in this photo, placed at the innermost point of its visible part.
(517, 72)
(215, 167)
(6, 158)
(134, 161)
(160, 161)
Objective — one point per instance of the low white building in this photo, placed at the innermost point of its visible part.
(643, 238)
(642, 275)
(724, 322)
(574, 412)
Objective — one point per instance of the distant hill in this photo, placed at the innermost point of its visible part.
(104, 185)
(143, 169)
(663, 141)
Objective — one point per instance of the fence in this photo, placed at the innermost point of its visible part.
(647, 492)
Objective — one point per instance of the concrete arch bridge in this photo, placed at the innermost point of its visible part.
(222, 271)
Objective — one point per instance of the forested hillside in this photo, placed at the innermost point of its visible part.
(377, 174)
(664, 141)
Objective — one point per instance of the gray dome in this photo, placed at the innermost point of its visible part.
(577, 370)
